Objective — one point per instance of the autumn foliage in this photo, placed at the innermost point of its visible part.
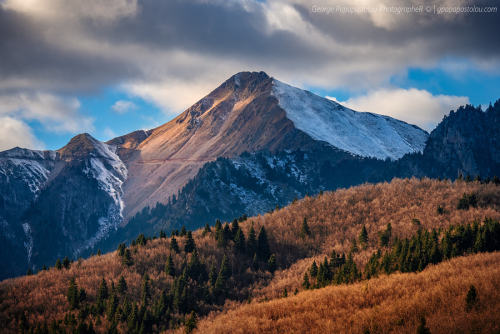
(268, 256)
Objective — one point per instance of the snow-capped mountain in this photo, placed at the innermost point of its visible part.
(250, 112)
(251, 144)
(362, 133)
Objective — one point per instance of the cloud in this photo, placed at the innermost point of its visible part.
(164, 42)
(56, 114)
(122, 106)
(108, 133)
(173, 52)
(14, 132)
(412, 105)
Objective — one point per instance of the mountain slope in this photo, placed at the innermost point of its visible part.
(364, 134)
(334, 219)
(74, 200)
(257, 182)
(252, 112)
(467, 141)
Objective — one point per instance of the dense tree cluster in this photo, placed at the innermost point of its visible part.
(194, 284)
(407, 255)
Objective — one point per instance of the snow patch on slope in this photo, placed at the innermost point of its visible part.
(28, 244)
(360, 133)
(29, 166)
(110, 172)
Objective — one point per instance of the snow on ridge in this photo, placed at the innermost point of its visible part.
(109, 171)
(360, 133)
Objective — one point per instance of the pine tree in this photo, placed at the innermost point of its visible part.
(121, 250)
(255, 262)
(212, 275)
(263, 251)
(224, 274)
(72, 294)
(471, 298)
(191, 323)
(196, 270)
(252, 242)
(183, 231)
(82, 295)
(234, 228)
(314, 269)
(305, 232)
(102, 292)
(354, 246)
(271, 263)
(228, 235)
(174, 246)
(190, 244)
(141, 240)
(66, 263)
(58, 264)
(306, 283)
(363, 237)
(218, 226)
(169, 266)
(163, 235)
(127, 258)
(239, 241)
(422, 328)
(225, 268)
(122, 285)
(206, 230)
(112, 305)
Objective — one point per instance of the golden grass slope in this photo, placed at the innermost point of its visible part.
(386, 304)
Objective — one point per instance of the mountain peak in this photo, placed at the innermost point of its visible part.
(84, 145)
(245, 81)
(246, 76)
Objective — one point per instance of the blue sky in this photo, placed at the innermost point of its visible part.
(65, 74)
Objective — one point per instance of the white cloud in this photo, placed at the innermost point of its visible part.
(55, 113)
(109, 133)
(171, 97)
(412, 105)
(14, 132)
(122, 106)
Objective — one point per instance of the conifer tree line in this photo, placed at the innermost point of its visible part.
(406, 255)
(195, 284)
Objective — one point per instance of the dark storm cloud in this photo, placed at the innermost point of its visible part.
(38, 53)
(28, 56)
(465, 34)
(229, 31)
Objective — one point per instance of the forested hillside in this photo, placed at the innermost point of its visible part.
(336, 238)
